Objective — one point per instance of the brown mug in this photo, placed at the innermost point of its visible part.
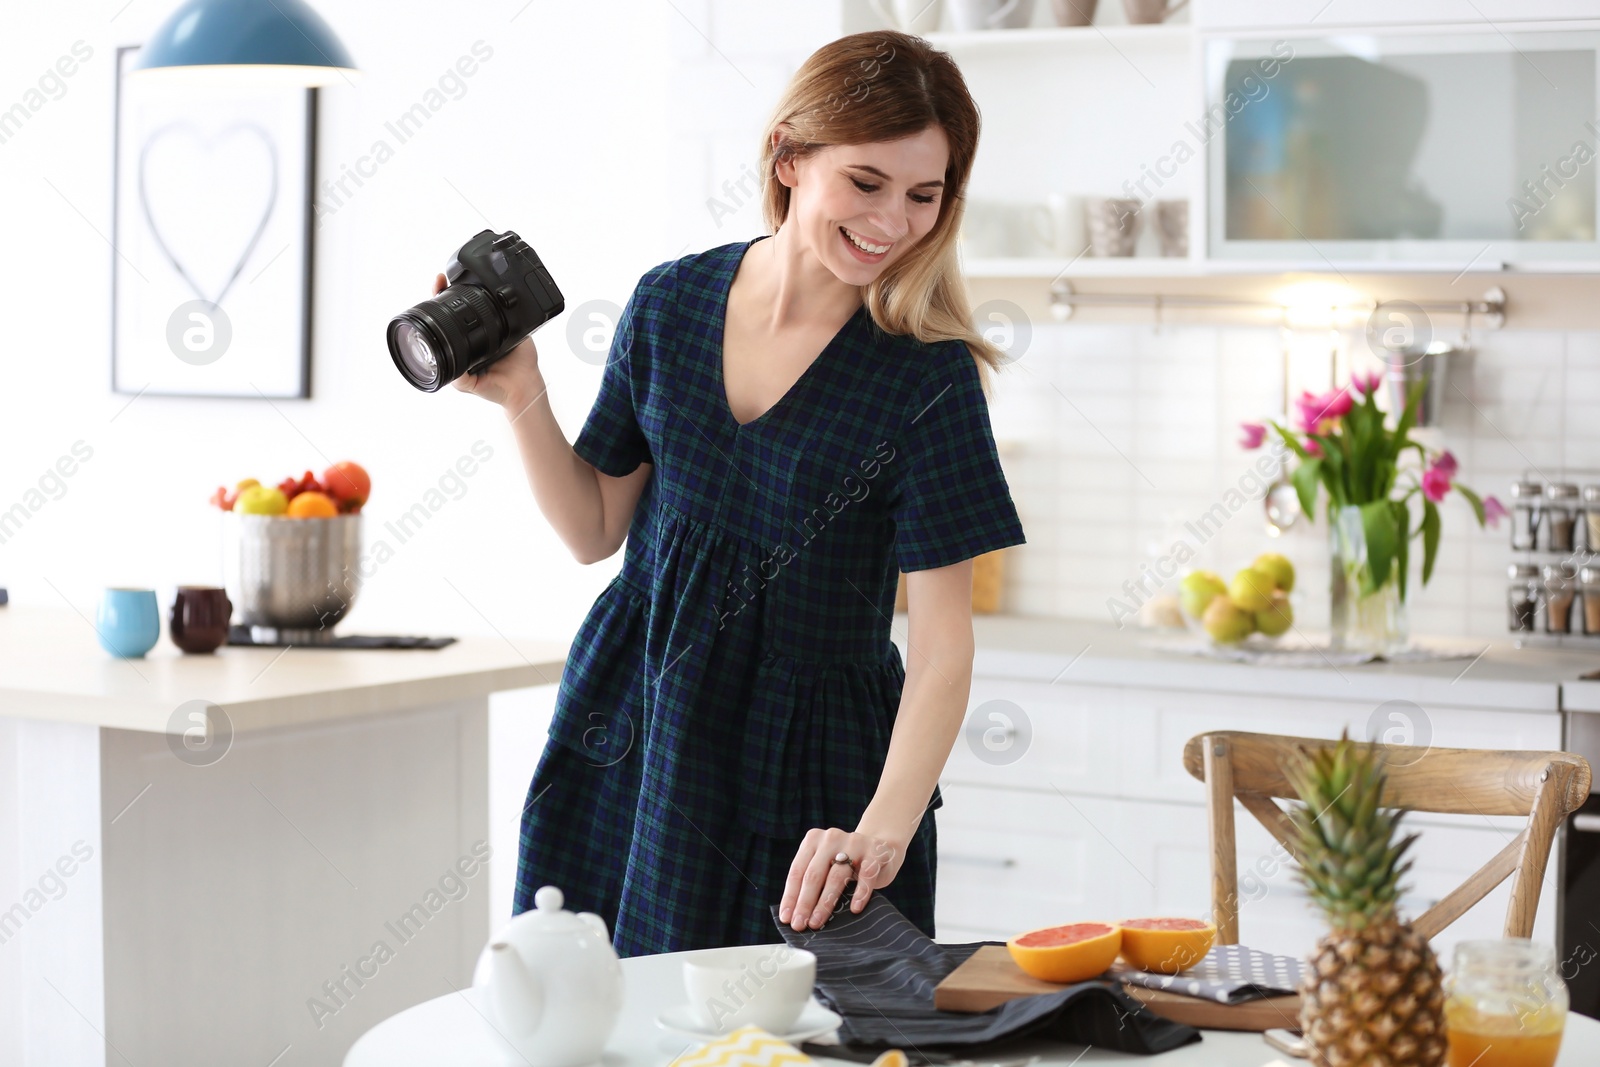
(200, 617)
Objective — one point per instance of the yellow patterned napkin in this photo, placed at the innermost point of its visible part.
(748, 1046)
(751, 1046)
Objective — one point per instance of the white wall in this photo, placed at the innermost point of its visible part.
(595, 131)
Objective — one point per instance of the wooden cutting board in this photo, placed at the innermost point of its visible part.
(990, 977)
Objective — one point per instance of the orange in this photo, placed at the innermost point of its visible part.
(1166, 946)
(1071, 953)
(312, 505)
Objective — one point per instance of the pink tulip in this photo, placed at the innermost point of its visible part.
(1446, 463)
(1435, 484)
(1312, 448)
(1254, 434)
(1319, 413)
(1308, 410)
(1493, 512)
(1367, 383)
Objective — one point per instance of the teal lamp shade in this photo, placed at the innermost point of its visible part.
(276, 41)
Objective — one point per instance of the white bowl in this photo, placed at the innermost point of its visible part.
(749, 985)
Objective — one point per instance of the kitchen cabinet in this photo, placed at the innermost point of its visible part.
(200, 854)
(1091, 814)
(1236, 109)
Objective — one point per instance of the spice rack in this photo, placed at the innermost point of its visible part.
(1553, 579)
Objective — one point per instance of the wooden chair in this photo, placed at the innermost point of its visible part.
(1545, 786)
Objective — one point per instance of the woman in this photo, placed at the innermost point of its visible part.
(783, 423)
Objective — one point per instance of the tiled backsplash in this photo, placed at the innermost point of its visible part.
(1117, 436)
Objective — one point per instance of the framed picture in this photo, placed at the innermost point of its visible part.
(212, 238)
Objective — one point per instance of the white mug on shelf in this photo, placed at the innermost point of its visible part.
(1053, 227)
(969, 15)
(909, 16)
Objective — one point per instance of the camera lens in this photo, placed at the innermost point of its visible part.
(440, 339)
(418, 362)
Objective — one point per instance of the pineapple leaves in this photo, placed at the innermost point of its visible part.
(1352, 861)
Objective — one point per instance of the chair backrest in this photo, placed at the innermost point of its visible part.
(1545, 786)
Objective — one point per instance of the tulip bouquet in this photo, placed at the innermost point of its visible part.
(1344, 445)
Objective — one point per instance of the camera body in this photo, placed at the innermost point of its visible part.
(498, 292)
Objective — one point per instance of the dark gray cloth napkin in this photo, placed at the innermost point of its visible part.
(879, 972)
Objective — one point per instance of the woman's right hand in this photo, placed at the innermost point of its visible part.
(513, 381)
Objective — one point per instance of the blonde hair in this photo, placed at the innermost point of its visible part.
(883, 86)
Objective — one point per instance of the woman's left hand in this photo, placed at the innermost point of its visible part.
(816, 881)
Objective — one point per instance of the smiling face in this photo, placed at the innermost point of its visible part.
(858, 208)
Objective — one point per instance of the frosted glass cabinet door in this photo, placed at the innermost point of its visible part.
(1468, 145)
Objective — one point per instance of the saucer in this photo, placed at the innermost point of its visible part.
(814, 1021)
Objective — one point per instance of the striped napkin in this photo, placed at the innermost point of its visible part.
(878, 971)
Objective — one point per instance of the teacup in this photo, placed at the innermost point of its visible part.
(199, 619)
(128, 622)
(749, 985)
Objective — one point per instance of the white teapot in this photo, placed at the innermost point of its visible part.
(554, 983)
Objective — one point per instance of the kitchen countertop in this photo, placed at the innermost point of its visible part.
(1083, 652)
(52, 667)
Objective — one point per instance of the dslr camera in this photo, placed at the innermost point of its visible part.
(498, 293)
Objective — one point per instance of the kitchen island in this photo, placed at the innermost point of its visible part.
(245, 857)
(1066, 800)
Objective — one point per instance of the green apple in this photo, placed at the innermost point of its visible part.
(1278, 617)
(1279, 567)
(1227, 622)
(1197, 590)
(262, 500)
(1251, 590)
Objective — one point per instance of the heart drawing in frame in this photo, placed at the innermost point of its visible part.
(182, 169)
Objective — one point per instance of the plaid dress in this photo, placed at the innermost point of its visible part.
(735, 685)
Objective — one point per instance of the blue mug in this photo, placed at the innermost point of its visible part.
(128, 622)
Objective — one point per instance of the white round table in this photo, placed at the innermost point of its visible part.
(455, 1029)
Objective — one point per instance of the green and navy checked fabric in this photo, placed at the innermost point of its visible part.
(735, 685)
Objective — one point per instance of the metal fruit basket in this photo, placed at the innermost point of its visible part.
(291, 580)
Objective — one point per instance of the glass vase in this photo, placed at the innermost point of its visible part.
(1361, 621)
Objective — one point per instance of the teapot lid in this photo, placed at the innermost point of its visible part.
(548, 912)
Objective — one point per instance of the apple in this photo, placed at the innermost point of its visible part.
(1251, 590)
(1279, 567)
(262, 500)
(1278, 617)
(348, 484)
(1197, 590)
(1226, 622)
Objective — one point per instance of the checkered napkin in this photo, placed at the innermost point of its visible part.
(1229, 974)
(748, 1046)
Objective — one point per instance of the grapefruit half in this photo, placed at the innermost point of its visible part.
(1166, 946)
(1072, 953)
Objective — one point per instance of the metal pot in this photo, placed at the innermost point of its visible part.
(1409, 365)
(291, 579)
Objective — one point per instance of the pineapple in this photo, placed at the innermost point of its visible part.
(1373, 995)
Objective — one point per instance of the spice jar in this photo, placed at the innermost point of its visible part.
(1559, 592)
(1527, 505)
(1505, 1003)
(1589, 586)
(1561, 506)
(1522, 596)
(1591, 514)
